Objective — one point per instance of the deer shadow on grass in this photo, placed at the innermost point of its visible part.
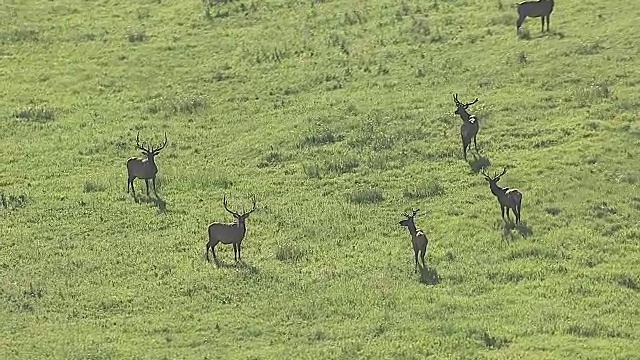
(522, 229)
(157, 202)
(429, 275)
(478, 163)
(240, 265)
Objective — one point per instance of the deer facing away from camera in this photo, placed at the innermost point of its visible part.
(228, 233)
(540, 8)
(418, 238)
(144, 168)
(470, 126)
(508, 198)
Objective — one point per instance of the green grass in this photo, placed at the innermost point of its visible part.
(338, 115)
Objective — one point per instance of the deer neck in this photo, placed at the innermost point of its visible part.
(498, 191)
(412, 228)
(465, 116)
(151, 164)
(241, 226)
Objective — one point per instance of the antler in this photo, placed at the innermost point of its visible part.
(455, 99)
(471, 103)
(141, 147)
(163, 145)
(254, 206)
(224, 202)
(502, 173)
(414, 212)
(486, 176)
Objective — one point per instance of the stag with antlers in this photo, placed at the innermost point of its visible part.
(418, 238)
(470, 127)
(508, 198)
(144, 168)
(228, 233)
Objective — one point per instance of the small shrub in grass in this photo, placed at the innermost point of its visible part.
(589, 48)
(524, 34)
(289, 253)
(522, 58)
(272, 158)
(13, 201)
(36, 113)
(367, 196)
(321, 136)
(628, 282)
(136, 35)
(341, 165)
(423, 191)
(93, 186)
(602, 210)
(312, 171)
(595, 92)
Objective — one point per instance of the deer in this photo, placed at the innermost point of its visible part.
(470, 127)
(228, 233)
(418, 238)
(509, 199)
(144, 168)
(540, 8)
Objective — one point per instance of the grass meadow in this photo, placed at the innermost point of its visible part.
(338, 116)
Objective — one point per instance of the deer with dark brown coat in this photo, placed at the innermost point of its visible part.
(509, 199)
(418, 238)
(144, 168)
(470, 127)
(540, 8)
(228, 233)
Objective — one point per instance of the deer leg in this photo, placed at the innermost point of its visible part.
(206, 251)
(133, 189)
(146, 181)
(542, 21)
(424, 252)
(239, 255)
(548, 17)
(235, 252)
(415, 254)
(508, 213)
(475, 144)
(154, 186)
(465, 145)
(502, 210)
(519, 22)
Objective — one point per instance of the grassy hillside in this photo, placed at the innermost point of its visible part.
(338, 115)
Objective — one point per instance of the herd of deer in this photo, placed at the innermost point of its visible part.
(233, 233)
(509, 199)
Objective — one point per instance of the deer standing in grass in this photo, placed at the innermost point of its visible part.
(418, 238)
(540, 8)
(508, 198)
(470, 127)
(228, 233)
(144, 168)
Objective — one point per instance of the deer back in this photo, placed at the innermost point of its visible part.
(535, 8)
(142, 168)
(419, 240)
(227, 233)
(513, 197)
(469, 129)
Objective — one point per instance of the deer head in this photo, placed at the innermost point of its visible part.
(462, 107)
(493, 180)
(240, 217)
(408, 222)
(150, 152)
